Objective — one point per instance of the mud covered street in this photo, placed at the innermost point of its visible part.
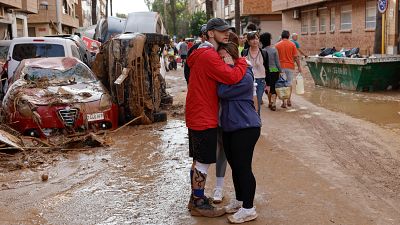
(333, 158)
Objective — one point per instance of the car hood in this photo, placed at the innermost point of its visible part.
(50, 95)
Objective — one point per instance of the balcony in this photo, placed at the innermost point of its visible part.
(229, 11)
(15, 4)
(280, 5)
(30, 6)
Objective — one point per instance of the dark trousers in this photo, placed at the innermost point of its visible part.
(239, 147)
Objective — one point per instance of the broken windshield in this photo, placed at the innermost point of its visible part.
(75, 74)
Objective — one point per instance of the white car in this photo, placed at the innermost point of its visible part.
(39, 47)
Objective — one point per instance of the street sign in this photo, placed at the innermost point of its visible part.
(382, 5)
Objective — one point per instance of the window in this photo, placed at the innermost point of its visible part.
(313, 18)
(345, 17)
(75, 52)
(370, 14)
(65, 7)
(28, 51)
(323, 14)
(20, 27)
(304, 22)
(332, 19)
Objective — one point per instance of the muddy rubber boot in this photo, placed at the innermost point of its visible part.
(204, 207)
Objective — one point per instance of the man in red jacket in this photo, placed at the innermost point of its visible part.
(207, 69)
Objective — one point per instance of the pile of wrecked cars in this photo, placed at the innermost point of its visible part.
(60, 100)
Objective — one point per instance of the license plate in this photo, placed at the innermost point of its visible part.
(95, 116)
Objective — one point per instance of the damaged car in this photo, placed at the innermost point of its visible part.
(58, 96)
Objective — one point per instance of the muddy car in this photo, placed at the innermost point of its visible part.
(57, 96)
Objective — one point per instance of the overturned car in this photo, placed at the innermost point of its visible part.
(57, 96)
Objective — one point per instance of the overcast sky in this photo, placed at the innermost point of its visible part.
(127, 6)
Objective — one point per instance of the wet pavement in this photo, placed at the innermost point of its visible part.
(382, 108)
(322, 161)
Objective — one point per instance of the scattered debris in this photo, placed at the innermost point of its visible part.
(44, 177)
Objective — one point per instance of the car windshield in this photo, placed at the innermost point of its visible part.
(37, 50)
(76, 74)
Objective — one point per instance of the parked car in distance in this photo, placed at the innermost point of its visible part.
(58, 96)
(39, 47)
(4, 46)
(86, 55)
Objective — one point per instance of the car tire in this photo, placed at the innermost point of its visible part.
(170, 66)
(160, 117)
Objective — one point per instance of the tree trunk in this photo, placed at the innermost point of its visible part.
(172, 4)
(94, 12)
(378, 33)
(209, 9)
(237, 16)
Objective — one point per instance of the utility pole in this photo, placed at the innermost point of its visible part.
(237, 16)
(58, 16)
(111, 7)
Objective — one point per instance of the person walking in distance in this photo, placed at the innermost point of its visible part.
(295, 38)
(274, 68)
(183, 51)
(241, 129)
(287, 57)
(259, 62)
(207, 69)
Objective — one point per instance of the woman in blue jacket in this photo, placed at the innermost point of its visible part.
(241, 129)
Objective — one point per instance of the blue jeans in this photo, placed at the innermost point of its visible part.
(260, 91)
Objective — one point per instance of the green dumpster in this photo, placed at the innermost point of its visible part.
(356, 74)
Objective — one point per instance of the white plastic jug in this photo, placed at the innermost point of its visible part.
(299, 84)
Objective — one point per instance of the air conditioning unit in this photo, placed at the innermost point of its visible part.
(296, 14)
(2, 12)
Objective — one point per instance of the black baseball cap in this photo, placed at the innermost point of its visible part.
(218, 24)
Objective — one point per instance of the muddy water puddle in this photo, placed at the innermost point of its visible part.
(141, 179)
(382, 108)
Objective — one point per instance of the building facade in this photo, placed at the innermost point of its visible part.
(339, 23)
(63, 16)
(14, 17)
(259, 13)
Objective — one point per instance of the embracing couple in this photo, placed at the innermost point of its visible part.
(220, 93)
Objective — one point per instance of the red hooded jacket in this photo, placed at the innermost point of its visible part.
(207, 69)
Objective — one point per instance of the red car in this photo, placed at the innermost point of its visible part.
(57, 96)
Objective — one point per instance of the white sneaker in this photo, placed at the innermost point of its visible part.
(233, 206)
(218, 195)
(243, 215)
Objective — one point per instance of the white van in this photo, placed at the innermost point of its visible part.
(39, 47)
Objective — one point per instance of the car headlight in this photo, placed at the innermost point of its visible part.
(105, 102)
(24, 109)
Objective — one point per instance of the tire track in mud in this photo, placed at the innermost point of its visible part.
(356, 156)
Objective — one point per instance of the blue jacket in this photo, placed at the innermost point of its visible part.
(237, 106)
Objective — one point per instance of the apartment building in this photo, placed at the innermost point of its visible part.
(338, 23)
(54, 17)
(63, 16)
(85, 12)
(259, 13)
(13, 17)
